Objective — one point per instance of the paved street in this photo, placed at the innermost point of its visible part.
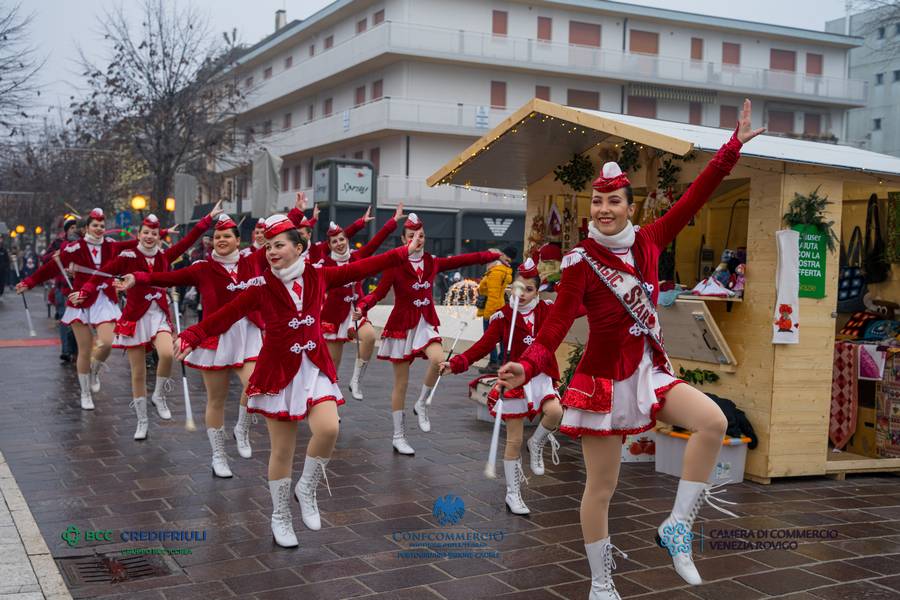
(82, 469)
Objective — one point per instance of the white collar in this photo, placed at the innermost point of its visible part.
(291, 272)
(417, 256)
(623, 239)
(341, 258)
(228, 259)
(148, 253)
(527, 308)
(90, 239)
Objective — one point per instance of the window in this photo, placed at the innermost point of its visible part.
(267, 127)
(378, 17)
(695, 113)
(358, 155)
(880, 33)
(879, 78)
(542, 92)
(876, 124)
(312, 49)
(377, 89)
(731, 53)
(583, 99)
(643, 42)
(545, 29)
(584, 34)
(897, 29)
(248, 82)
(310, 113)
(288, 62)
(782, 60)
(728, 116)
(813, 64)
(812, 124)
(287, 120)
(639, 106)
(780, 121)
(309, 172)
(267, 73)
(375, 158)
(897, 75)
(329, 42)
(360, 95)
(499, 22)
(696, 48)
(327, 106)
(361, 26)
(297, 172)
(248, 135)
(285, 179)
(498, 94)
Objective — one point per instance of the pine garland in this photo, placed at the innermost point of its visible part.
(810, 210)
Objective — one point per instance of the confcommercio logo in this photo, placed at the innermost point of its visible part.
(73, 536)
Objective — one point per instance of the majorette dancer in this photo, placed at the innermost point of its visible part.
(535, 397)
(145, 321)
(412, 328)
(218, 279)
(319, 250)
(98, 310)
(295, 378)
(624, 381)
(341, 320)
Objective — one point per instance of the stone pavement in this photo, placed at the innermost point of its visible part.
(82, 469)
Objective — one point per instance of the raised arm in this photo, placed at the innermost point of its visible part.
(360, 269)
(182, 277)
(464, 260)
(189, 239)
(493, 335)
(218, 322)
(378, 239)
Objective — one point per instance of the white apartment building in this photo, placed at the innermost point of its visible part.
(407, 84)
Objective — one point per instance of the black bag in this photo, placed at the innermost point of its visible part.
(481, 301)
(875, 264)
(851, 279)
(738, 423)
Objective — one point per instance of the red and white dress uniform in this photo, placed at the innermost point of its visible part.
(337, 317)
(146, 311)
(624, 374)
(219, 279)
(527, 400)
(319, 250)
(260, 258)
(101, 304)
(295, 371)
(413, 322)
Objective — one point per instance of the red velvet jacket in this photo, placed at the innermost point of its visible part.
(288, 333)
(412, 295)
(138, 298)
(338, 300)
(611, 351)
(319, 250)
(80, 254)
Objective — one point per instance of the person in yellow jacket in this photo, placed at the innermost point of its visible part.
(492, 286)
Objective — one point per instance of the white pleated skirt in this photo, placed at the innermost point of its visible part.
(410, 347)
(101, 311)
(240, 344)
(146, 329)
(308, 388)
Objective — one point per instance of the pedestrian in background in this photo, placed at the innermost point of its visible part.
(490, 300)
(4, 267)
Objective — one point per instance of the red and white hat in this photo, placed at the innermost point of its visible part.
(151, 221)
(550, 251)
(334, 229)
(97, 214)
(277, 224)
(224, 222)
(413, 223)
(528, 269)
(260, 223)
(611, 178)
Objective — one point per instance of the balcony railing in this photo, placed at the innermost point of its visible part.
(458, 45)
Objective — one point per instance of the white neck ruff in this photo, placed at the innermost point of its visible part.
(228, 259)
(417, 255)
(527, 308)
(148, 252)
(623, 239)
(341, 258)
(90, 239)
(292, 271)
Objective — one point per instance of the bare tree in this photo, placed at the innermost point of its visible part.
(18, 66)
(165, 93)
(879, 20)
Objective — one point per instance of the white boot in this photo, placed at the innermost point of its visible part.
(305, 491)
(358, 371)
(420, 408)
(140, 409)
(219, 458)
(96, 365)
(87, 402)
(600, 557)
(535, 447)
(164, 385)
(675, 532)
(400, 443)
(515, 476)
(242, 433)
(282, 524)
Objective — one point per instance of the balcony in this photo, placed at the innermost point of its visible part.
(377, 46)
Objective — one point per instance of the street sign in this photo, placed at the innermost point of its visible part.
(481, 117)
(123, 219)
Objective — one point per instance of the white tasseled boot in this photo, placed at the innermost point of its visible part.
(359, 370)
(305, 491)
(87, 402)
(400, 443)
(535, 447)
(242, 433)
(600, 557)
(420, 409)
(96, 365)
(164, 386)
(282, 523)
(219, 458)
(515, 477)
(140, 409)
(675, 532)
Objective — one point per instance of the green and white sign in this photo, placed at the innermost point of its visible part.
(813, 254)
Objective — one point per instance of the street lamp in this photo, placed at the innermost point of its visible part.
(38, 230)
(20, 229)
(138, 202)
(170, 204)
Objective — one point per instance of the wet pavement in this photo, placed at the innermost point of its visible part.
(826, 539)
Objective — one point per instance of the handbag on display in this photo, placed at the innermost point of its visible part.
(875, 262)
(851, 279)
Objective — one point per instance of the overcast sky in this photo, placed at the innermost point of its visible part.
(62, 25)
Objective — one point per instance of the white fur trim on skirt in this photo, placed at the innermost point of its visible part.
(148, 326)
(635, 402)
(101, 311)
(538, 390)
(241, 343)
(344, 330)
(408, 348)
(308, 388)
